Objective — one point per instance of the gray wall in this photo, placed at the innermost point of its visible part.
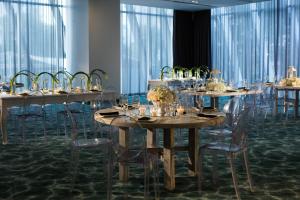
(104, 39)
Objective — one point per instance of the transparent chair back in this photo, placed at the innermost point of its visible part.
(231, 110)
(136, 155)
(239, 133)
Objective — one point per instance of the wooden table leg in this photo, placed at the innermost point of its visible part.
(214, 102)
(3, 124)
(286, 93)
(169, 159)
(193, 151)
(296, 102)
(123, 142)
(151, 138)
(276, 101)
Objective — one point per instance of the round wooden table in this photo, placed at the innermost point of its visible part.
(168, 124)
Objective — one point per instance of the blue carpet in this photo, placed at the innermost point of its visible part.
(42, 170)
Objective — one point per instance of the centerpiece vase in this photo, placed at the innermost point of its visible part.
(160, 108)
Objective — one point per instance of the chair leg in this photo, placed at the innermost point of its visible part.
(245, 154)
(44, 126)
(146, 177)
(65, 126)
(57, 125)
(155, 169)
(22, 129)
(93, 124)
(200, 171)
(75, 162)
(83, 124)
(109, 172)
(215, 169)
(234, 177)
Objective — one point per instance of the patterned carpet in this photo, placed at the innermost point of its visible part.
(43, 170)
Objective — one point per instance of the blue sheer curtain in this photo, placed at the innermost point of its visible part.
(146, 45)
(31, 36)
(256, 42)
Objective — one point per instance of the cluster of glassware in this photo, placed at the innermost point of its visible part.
(136, 107)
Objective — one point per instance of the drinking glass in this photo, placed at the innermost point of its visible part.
(136, 101)
(200, 103)
(82, 84)
(45, 84)
(172, 109)
(124, 103)
(230, 84)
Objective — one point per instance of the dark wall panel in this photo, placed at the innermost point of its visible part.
(192, 38)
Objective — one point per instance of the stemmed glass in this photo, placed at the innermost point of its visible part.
(200, 103)
(172, 109)
(136, 101)
(124, 103)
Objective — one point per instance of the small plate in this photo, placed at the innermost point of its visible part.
(118, 107)
(24, 94)
(93, 90)
(109, 116)
(206, 115)
(209, 109)
(62, 92)
(108, 112)
(148, 120)
(231, 91)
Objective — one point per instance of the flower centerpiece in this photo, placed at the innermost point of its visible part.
(291, 79)
(160, 97)
(213, 83)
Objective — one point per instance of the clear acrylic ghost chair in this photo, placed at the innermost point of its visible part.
(231, 149)
(33, 113)
(95, 105)
(78, 143)
(231, 110)
(137, 154)
(27, 111)
(261, 104)
(100, 102)
(76, 108)
(265, 101)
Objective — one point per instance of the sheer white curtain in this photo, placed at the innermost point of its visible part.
(31, 36)
(256, 42)
(146, 45)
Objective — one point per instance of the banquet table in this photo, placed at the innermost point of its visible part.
(286, 89)
(215, 95)
(168, 124)
(8, 100)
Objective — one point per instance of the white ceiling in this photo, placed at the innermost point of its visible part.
(189, 4)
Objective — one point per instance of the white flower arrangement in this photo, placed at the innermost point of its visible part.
(161, 94)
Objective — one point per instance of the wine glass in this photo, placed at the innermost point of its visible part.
(124, 103)
(135, 101)
(200, 103)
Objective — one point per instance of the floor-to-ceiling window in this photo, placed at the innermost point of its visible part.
(146, 45)
(31, 36)
(256, 42)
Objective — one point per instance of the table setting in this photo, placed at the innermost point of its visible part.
(162, 110)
